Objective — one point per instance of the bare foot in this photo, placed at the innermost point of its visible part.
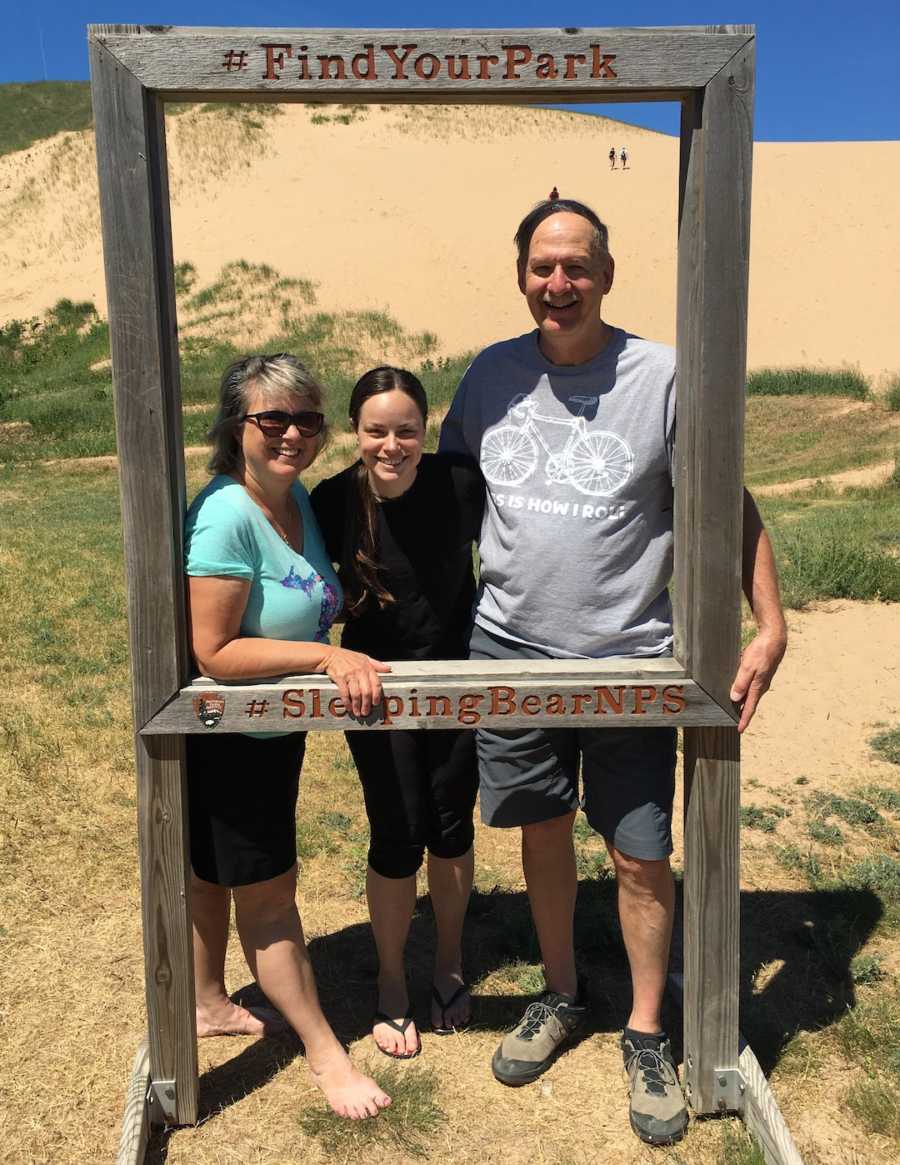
(457, 1009)
(230, 1019)
(349, 1093)
(394, 1002)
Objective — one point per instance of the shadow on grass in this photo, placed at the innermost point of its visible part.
(796, 952)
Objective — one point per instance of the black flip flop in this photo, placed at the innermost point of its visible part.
(398, 1026)
(442, 1029)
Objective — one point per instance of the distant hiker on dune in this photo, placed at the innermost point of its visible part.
(612, 157)
(624, 157)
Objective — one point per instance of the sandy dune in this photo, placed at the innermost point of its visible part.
(412, 209)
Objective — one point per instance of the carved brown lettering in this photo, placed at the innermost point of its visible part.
(571, 60)
(531, 705)
(337, 708)
(556, 705)
(545, 67)
(399, 62)
(460, 72)
(427, 66)
(292, 704)
(602, 64)
(516, 56)
(316, 710)
(391, 706)
(368, 59)
(484, 66)
(445, 706)
(578, 702)
(642, 696)
(616, 704)
(325, 64)
(275, 59)
(503, 701)
(468, 706)
(673, 699)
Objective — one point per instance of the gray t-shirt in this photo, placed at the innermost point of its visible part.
(576, 543)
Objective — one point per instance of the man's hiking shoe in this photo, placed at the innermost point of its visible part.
(531, 1047)
(657, 1109)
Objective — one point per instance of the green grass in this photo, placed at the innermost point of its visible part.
(406, 1126)
(807, 382)
(794, 437)
(887, 746)
(738, 1146)
(867, 969)
(869, 1034)
(836, 546)
(850, 809)
(824, 833)
(881, 796)
(58, 391)
(763, 819)
(34, 110)
(892, 396)
(876, 1106)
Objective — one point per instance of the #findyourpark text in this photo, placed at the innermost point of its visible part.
(409, 62)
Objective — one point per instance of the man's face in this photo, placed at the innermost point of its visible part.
(564, 280)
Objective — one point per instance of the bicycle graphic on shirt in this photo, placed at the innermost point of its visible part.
(595, 461)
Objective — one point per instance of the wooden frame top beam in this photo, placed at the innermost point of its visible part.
(440, 65)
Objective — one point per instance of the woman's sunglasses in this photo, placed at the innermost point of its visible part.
(276, 424)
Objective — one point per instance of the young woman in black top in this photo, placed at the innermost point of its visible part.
(400, 525)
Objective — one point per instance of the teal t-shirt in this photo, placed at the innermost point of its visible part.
(292, 596)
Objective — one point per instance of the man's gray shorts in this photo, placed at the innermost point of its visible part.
(531, 774)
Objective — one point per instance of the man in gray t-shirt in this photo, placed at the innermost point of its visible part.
(573, 426)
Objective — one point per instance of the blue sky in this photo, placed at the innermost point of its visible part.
(826, 70)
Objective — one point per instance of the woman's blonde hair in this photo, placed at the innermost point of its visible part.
(277, 377)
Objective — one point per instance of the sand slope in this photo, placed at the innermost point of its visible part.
(413, 208)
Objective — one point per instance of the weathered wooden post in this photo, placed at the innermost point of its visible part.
(135, 69)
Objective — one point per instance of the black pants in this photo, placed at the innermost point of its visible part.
(420, 789)
(242, 801)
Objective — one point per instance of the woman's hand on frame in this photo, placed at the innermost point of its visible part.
(357, 678)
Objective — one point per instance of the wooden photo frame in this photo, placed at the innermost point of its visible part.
(135, 70)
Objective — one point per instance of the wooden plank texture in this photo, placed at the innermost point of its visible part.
(136, 1119)
(553, 694)
(762, 1116)
(132, 171)
(759, 1108)
(373, 62)
(711, 909)
(713, 251)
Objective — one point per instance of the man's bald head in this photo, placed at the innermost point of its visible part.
(544, 210)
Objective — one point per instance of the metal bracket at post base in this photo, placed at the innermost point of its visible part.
(162, 1103)
(729, 1089)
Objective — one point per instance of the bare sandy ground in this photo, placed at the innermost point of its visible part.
(412, 209)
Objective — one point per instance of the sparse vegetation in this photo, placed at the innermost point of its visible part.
(763, 819)
(850, 809)
(876, 1106)
(34, 110)
(406, 1126)
(887, 746)
(807, 382)
(892, 395)
(738, 1147)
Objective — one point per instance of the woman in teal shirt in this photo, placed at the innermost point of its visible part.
(262, 597)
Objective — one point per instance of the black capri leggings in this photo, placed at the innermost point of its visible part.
(242, 801)
(420, 790)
